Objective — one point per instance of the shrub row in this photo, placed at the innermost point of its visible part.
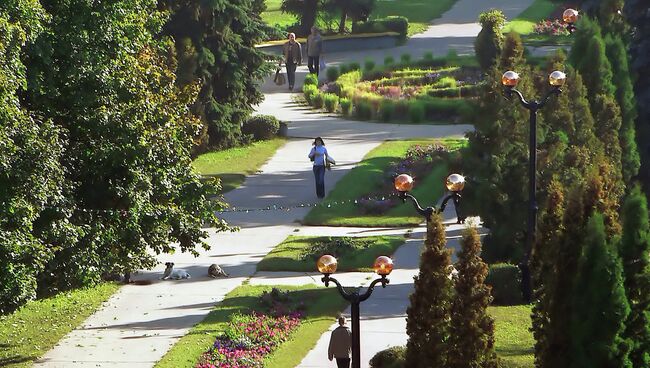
(261, 127)
(388, 24)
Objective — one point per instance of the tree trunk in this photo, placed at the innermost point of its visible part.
(344, 17)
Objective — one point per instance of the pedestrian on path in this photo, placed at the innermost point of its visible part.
(314, 49)
(340, 345)
(322, 160)
(292, 58)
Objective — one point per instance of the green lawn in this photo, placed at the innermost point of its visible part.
(419, 13)
(234, 164)
(524, 22)
(368, 177)
(300, 253)
(31, 331)
(323, 308)
(514, 342)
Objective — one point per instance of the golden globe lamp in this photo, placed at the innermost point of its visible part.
(383, 266)
(570, 16)
(510, 79)
(403, 183)
(455, 182)
(557, 79)
(327, 264)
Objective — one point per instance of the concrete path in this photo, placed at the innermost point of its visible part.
(139, 324)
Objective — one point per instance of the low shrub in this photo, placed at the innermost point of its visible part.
(344, 68)
(346, 106)
(393, 357)
(417, 112)
(462, 91)
(261, 127)
(505, 280)
(317, 100)
(331, 102)
(428, 56)
(309, 90)
(389, 24)
(448, 108)
(311, 79)
(363, 109)
(333, 73)
(368, 65)
(354, 66)
(405, 59)
(389, 60)
(386, 110)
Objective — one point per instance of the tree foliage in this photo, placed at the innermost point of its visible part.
(30, 174)
(215, 45)
(129, 191)
(634, 249)
(489, 41)
(600, 306)
(471, 343)
(427, 322)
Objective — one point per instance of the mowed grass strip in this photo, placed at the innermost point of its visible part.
(234, 164)
(513, 339)
(35, 328)
(419, 13)
(369, 176)
(525, 22)
(323, 306)
(289, 255)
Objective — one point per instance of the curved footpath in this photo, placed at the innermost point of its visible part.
(139, 324)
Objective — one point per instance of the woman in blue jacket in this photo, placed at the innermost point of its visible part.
(321, 159)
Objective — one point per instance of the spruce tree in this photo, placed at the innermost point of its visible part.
(634, 249)
(600, 307)
(489, 42)
(427, 321)
(625, 97)
(471, 344)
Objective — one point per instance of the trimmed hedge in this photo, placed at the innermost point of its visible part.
(505, 280)
(261, 127)
(332, 73)
(311, 79)
(309, 90)
(346, 106)
(393, 357)
(389, 24)
(331, 102)
(318, 100)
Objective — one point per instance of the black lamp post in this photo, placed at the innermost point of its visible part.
(509, 80)
(383, 266)
(455, 184)
(570, 17)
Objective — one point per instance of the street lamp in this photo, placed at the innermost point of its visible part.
(454, 183)
(509, 80)
(570, 17)
(383, 266)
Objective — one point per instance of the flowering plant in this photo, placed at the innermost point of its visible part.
(551, 27)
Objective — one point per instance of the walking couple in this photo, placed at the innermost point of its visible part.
(292, 52)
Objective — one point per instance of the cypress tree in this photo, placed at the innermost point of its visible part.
(471, 343)
(600, 306)
(427, 321)
(625, 97)
(634, 249)
(489, 42)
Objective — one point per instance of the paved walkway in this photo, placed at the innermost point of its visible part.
(139, 324)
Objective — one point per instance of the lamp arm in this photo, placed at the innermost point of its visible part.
(510, 91)
(327, 278)
(384, 281)
(426, 212)
(444, 202)
(554, 91)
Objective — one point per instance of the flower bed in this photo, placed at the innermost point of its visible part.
(248, 338)
(551, 28)
(401, 93)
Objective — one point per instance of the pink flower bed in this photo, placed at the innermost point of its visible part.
(551, 27)
(250, 337)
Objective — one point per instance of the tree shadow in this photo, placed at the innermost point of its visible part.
(16, 359)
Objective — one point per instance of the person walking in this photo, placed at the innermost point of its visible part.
(340, 345)
(314, 49)
(292, 58)
(322, 160)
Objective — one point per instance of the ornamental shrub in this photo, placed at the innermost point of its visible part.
(317, 100)
(368, 65)
(389, 24)
(393, 357)
(311, 79)
(389, 60)
(261, 127)
(346, 106)
(406, 59)
(428, 56)
(354, 66)
(489, 41)
(331, 102)
(386, 110)
(344, 68)
(363, 109)
(332, 73)
(416, 112)
(505, 279)
(309, 90)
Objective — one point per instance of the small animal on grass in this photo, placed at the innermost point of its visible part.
(216, 271)
(171, 273)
